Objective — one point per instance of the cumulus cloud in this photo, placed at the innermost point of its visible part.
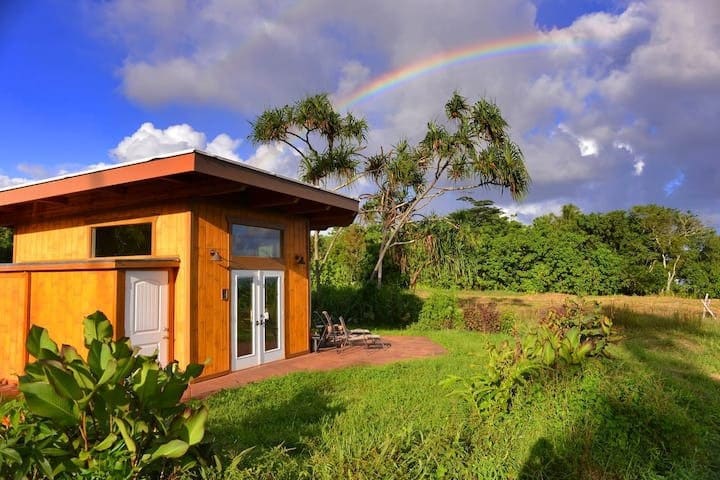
(33, 170)
(627, 95)
(275, 158)
(6, 181)
(149, 141)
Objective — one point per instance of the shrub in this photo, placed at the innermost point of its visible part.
(481, 317)
(568, 335)
(114, 414)
(440, 310)
(495, 387)
(508, 322)
(368, 305)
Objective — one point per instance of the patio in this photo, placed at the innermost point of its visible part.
(401, 348)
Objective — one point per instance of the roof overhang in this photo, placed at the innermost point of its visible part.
(185, 175)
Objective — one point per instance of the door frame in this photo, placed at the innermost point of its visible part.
(259, 355)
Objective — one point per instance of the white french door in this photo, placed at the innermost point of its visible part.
(258, 330)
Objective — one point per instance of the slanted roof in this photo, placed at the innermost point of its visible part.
(183, 175)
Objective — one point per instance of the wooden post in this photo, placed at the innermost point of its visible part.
(706, 307)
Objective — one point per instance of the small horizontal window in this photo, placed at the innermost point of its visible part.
(122, 240)
(250, 241)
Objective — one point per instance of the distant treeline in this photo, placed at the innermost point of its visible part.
(647, 250)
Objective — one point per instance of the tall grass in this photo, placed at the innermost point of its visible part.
(651, 411)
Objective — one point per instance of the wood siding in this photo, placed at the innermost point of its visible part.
(13, 323)
(71, 239)
(212, 334)
(60, 300)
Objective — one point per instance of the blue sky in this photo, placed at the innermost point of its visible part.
(626, 115)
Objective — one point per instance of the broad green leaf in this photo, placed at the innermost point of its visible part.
(194, 427)
(62, 381)
(43, 401)
(39, 344)
(171, 449)
(146, 383)
(99, 355)
(69, 353)
(96, 326)
(108, 372)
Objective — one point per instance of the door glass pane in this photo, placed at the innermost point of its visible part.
(245, 324)
(271, 313)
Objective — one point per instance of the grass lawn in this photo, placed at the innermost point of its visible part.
(651, 412)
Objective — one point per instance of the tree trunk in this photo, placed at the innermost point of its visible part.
(671, 275)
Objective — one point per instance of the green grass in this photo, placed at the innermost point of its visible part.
(650, 412)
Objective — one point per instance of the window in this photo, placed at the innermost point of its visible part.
(122, 240)
(250, 241)
(6, 245)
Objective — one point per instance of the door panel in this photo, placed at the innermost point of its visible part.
(146, 312)
(257, 322)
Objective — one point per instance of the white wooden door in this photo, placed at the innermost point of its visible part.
(146, 312)
(258, 330)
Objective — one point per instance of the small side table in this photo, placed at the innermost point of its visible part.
(315, 343)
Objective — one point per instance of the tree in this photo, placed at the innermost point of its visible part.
(329, 144)
(672, 233)
(476, 152)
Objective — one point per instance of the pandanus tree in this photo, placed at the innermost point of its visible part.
(329, 144)
(471, 150)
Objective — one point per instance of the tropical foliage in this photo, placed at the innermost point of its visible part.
(646, 250)
(471, 151)
(112, 414)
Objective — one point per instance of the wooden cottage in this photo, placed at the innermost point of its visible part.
(197, 256)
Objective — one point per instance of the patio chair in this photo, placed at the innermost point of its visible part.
(330, 335)
(359, 334)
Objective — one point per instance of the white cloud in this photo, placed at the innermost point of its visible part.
(526, 211)
(587, 146)
(149, 141)
(630, 89)
(6, 181)
(224, 146)
(33, 170)
(275, 158)
(639, 166)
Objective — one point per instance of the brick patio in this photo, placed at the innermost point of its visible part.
(401, 348)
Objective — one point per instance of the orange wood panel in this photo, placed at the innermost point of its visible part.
(71, 239)
(297, 290)
(60, 300)
(13, 323)
(213, 314)
(212, 340)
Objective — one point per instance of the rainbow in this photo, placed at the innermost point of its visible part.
(464, 54)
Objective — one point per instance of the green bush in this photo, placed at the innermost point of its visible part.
(388, 306)
(440, 311)
(508, 322)
(114, 414)
(568, 335)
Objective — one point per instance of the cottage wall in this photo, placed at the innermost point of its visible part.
(212, 334)
(61, 299)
